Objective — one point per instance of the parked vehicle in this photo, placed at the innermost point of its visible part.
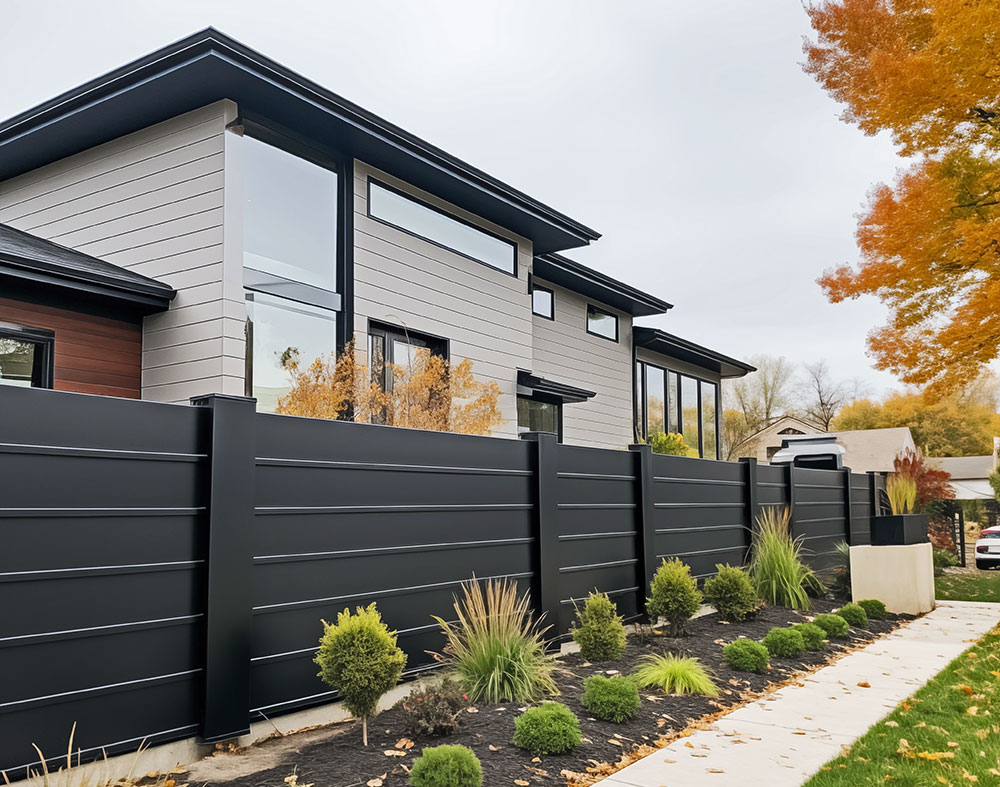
(988, 548)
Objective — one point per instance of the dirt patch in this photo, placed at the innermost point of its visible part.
(334, 757)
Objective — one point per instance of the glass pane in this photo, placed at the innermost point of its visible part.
(415, 217)
(602, 324)
(708, 393)
(639, 431)
(17, 361)
(535, 416)
(655, 402)
(689, 416)
(541, 302)
(277, 331)
(290, 216)
(672, 401)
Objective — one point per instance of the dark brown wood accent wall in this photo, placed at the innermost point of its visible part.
(93, 354)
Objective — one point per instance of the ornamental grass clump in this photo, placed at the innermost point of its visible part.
(495, 648)
(776, 566)
(446, 766)
(874, 609)
(854, 614)
(813, 637)
(673, 595)
(612, 699)
(834, 625)
(785, 643)
(746, 655)
(902, 493)
(675, 675)
(358, 656)
(549, 728)
(598, 629)
(732, 594)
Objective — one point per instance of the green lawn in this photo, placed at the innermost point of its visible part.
(947, 733)
(968, 586)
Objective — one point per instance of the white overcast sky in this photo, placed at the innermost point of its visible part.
(684, 131)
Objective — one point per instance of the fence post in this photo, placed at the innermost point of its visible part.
(873, 492)
(750, 495)
(229, 560)
(646, 520)
(546, 526)
(848, 511)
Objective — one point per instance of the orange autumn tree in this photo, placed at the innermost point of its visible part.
(425, 393)
(928, 73)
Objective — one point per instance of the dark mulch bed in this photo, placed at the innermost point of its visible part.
(340, 761)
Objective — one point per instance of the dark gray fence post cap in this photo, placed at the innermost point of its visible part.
(538, 436)
(201, 401)
(642, 447)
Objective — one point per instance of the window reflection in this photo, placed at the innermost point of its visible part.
(672, 402)
(534, 415)
(655, 400)
(708, 420)
(689, 411)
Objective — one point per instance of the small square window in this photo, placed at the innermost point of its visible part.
(542, 302)
(602, 323)
(26, 356)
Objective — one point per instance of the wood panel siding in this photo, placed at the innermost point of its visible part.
(404, 280)
(91, 354)
(563, 351)
(153, 201)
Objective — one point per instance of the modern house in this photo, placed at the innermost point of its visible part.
(175, 227)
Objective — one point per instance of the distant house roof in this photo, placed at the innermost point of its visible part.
(209, 66)
(874, 449)
(969, 475)
(666, 343)
(579, 278)
(27, 257)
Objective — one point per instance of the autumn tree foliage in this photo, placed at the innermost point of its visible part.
(932, 484)
(928, 73)
(426, 393)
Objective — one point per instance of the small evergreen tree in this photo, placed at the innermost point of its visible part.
(673, 595)
(598, 629)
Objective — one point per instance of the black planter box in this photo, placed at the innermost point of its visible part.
(896, 530)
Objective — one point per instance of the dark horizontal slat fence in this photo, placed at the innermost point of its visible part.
(165, 568)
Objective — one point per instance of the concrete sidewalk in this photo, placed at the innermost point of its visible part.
(784, 738)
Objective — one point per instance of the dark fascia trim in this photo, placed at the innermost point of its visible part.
(192, 53)
(566, 394)
(579, 278)
(675, 347)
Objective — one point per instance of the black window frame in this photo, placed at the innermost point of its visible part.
(552, 294)
(598, 310)
(545, 399)
(43, 362)
(438, 345)
(674, 404)
(424, 203)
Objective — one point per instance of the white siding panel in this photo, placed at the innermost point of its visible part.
(153, 201)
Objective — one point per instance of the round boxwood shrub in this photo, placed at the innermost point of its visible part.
(813, 637)
(732, 593)
(834, 625)
(784, 642)
(673, 594)
(746, 655)
(549, 728)
(874, 609)
(612, 699)
(598, 629)
(853, 614)
(446, 766)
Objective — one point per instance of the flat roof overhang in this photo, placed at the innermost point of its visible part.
(209, 66)
(567, 394)
(586, 281)
(658, 341)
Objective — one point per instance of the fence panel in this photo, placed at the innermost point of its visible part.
(861, 509)
(100, 573)
(819, 514)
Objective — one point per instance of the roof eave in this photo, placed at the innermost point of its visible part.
(579, 278)
(662, 342)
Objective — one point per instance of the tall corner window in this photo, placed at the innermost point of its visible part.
(26, 356)
(538, 414)
(291, 225)
(416, 217)
(602, 323)
(670, 402)
(543, 301)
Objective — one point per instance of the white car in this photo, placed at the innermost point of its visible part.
(988, 548)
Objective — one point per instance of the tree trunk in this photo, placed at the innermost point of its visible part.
(364, 730)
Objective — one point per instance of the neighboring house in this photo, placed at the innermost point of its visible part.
(970, 475)
(177, 226)
(767, 442)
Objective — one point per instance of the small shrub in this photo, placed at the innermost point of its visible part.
(784, 643)
(874, 609)
(813, 637)
(359, 657)
(446, 766)
(612, 699)
(549, 728)
(495, 648)
(673, 595)
(776, 565)
(732, 594)
(598, 629)
(676, 675)
(433, 711)
(746, 655)
(671, 443)
(834, 625)
(840, 579)
(853, 614)
(943, 558)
